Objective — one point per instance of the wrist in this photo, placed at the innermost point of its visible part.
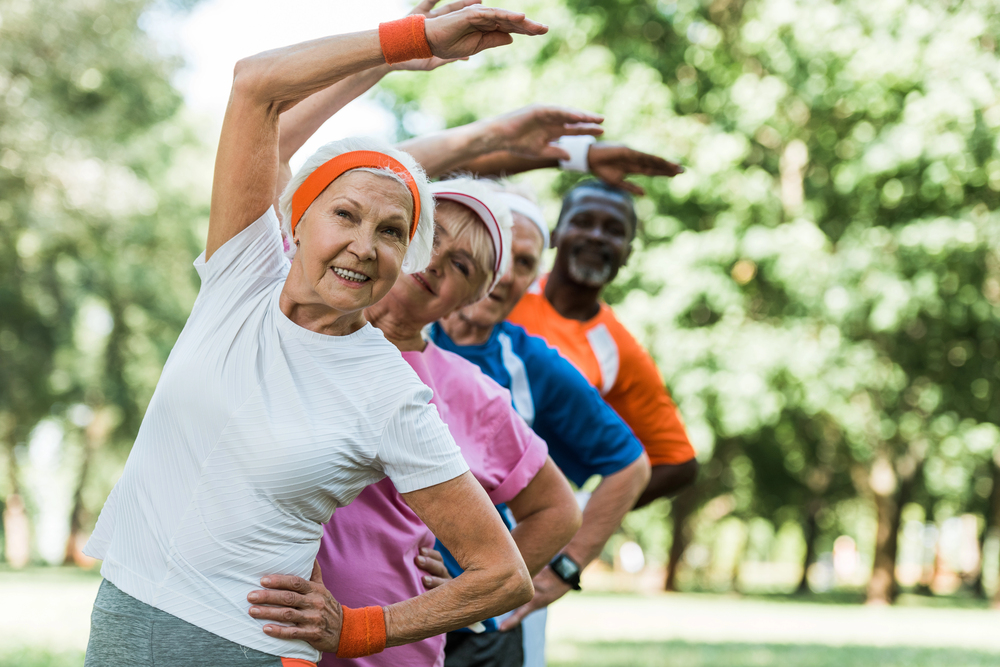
(567, 570)
(578, 147)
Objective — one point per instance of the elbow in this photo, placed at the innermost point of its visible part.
(642, 473)
(689, 473)
(516, 588)
(250, 81)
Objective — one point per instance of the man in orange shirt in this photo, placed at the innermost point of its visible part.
(593, 240)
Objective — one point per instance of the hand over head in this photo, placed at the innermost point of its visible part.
(305, 609)
(475, 28)
(428, 9)
(530, 131)
(613, 162)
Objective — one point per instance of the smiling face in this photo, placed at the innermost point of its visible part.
(456, 276)
(594, 237)
(351, 242)
(526, 257)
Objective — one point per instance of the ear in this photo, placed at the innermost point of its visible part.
(628, 253)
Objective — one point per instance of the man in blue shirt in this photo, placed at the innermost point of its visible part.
(585, 436)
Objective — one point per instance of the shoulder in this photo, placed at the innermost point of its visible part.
(628, 346)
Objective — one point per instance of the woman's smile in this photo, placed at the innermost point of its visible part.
(420, 280)
(349, 277)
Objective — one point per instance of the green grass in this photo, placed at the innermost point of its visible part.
(39, 658)
(683, 654)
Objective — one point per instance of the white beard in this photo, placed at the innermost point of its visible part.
(587, 275)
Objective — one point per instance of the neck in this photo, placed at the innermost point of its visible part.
(571, 299)
(397, 329)
(319, 318)
(464, 332)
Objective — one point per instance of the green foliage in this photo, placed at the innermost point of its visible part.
(98, 206)
(821, 288)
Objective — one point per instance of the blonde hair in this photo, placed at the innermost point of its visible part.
(418, 253)
(463, 222)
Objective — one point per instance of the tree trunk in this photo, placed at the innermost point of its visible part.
(810, 531)
(681, 512)
(16, 528)
(74, 556)
(883, 587)
(990, 529)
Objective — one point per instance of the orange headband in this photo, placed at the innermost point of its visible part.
(332, 169)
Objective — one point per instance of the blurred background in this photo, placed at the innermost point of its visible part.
(820, 288)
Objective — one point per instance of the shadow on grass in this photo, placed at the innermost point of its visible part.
(683, 654)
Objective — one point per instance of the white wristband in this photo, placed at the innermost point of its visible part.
(578, 146)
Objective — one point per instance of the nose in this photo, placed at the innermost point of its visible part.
(508, 277)
(363, 244)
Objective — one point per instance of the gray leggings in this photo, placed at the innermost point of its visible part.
(125, 632)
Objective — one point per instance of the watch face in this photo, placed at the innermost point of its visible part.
(565, 567)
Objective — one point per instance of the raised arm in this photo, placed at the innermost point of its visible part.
(528, 131)
(265, 85)
(610, 162)
(299, 123)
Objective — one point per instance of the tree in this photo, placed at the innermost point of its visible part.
(97, 213)
(821, 287)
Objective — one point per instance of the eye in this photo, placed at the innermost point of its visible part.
(343, 213)
(394, 232)
(461, 267)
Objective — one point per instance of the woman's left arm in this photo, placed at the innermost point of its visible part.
(495, 578)
(265, 85)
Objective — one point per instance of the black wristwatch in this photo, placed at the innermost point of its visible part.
(566, 569)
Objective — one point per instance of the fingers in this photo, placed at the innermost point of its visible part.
(433, 564)
(593, 129)
(515, 619)
(317, 575)
(278, 598)
(452, 7)
(504, 20)
(284, 615)
(424, 7)
(568, 115)
(288, 582)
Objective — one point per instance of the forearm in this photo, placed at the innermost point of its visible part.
(608, 504)
(503, 163)
(668, 480)
(283, 77)
(540, 536)
(445, 151)
(472, 596)
(300, 122)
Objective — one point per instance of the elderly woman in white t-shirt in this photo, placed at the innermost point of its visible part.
(279, 402)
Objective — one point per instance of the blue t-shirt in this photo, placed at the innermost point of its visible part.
(585, 435)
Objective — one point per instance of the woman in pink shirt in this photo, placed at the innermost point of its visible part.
(374, 545)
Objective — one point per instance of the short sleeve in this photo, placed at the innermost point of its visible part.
(254, 253)
(584, 435)
(516, 455)
(416, 449)
(640, 396)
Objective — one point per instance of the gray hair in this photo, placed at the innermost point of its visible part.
(418, 254)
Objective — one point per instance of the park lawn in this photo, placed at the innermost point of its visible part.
(671, 654)
(684, 654)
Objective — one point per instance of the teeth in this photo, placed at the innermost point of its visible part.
(350, 275)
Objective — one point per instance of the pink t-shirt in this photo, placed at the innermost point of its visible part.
(368, 549)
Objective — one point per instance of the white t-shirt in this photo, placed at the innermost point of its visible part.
(258, 429)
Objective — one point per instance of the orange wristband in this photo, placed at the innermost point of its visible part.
(404, 39)
(362, 632)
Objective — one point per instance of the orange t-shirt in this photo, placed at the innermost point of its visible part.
(622, 371)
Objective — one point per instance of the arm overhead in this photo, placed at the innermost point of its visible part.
(608, 161)
(528, 131)
(300, 122)
(265, 85)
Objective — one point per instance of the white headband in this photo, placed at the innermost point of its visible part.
(490, 212)
(530, 210)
